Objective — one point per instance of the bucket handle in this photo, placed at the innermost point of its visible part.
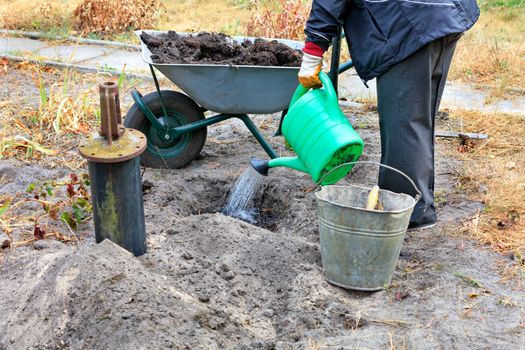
(327, 85)
(418, 193)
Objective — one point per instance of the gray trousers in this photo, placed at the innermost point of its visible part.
(408, 97)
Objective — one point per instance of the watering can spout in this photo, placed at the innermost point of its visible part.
(263, 166)
(288, 162)
(260, 165)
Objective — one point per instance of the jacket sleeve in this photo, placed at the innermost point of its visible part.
(325, 17)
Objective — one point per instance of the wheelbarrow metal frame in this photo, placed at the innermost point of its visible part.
(167, 133)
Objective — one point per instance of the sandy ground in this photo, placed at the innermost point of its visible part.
(210, 281)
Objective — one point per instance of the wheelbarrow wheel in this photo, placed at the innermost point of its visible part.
(180, 110)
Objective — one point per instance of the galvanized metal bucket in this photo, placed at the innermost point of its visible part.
(359, 247)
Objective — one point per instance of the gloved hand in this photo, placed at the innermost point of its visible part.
(309, 72)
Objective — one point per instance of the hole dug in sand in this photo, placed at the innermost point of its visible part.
(267, 209)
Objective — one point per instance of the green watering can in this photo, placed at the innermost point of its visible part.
(320, 135)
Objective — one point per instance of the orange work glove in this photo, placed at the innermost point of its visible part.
(309, 72)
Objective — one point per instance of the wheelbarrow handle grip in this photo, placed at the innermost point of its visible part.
(418, 195)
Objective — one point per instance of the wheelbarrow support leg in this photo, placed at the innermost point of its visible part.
(178, 131)
(255, 132)
(157, 86)
(279, 131)
(137, 97)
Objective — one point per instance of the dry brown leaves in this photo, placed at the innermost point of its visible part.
(44, 210)
(115, 16)
(466, 144)
(4, 66)
(286, 19)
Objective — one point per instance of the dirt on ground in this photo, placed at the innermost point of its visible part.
(209, 281)
(219, 48)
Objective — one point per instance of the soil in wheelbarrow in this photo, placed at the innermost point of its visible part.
(218, 48)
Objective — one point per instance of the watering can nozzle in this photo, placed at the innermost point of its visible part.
(260, 165)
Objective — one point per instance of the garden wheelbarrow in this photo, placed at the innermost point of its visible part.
(174, 122)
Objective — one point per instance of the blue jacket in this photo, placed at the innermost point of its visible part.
(380, 33)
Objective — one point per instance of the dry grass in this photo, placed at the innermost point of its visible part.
(184, 15)
(492, 52)
(37, 15)
(205, 15)
(494, 173)
(59, 111)
(45, 112)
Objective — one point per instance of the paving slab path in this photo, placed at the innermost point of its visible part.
(455, 96)
(100, 57)
(113, 59)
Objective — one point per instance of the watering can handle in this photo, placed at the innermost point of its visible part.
(327, 85)
(418, 195)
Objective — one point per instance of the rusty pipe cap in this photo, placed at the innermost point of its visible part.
(130, 145)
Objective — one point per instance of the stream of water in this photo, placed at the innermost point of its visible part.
(241, 196)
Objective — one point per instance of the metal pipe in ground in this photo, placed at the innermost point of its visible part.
(114, 172)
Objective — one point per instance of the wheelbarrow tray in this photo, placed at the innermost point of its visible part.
(231, 89)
